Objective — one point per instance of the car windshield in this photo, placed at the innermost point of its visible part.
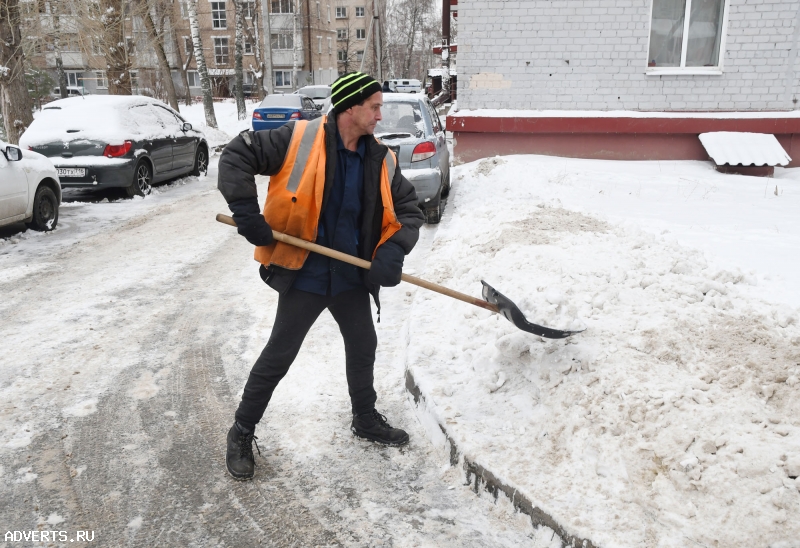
(291, 101)
(315, 92)
(401, 119)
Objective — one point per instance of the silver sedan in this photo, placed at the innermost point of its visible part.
(412, 129)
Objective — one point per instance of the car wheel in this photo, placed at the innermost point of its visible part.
(434, 214)
(446, 186)
(200, 161)
(142, 180)
(45, 209)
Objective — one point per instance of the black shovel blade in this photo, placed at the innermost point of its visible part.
(513, 314)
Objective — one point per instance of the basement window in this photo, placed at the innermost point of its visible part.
(687, 37)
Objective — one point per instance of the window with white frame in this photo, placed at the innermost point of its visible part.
(329, 13)
(686, 34)
(96, 48)
(361, 34)
(134, 79)
(194, 78)
(188, 45)
(249, 8)
(341, 34)
(218, 17)
(101, 80)
(74, 79)
(248, 48)
(330, 46)
(282, 6)
(319, 44)
(282, 41)
(341, 12)
(184, 9)
(359, 55)
(341, 55)
(319, 12)
(359, 11)
(283, 78)
(221, 50)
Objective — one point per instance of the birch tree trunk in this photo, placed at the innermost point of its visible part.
(157, 40)
(202, 68)
(267, 78)
(241, 110)
(15, 103)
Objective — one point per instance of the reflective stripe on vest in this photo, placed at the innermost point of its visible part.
(294, 199)
(306, 143)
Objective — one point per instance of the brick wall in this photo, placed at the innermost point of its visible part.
(592, 55)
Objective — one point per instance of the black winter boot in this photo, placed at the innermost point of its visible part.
(239, 457)
(373, 426)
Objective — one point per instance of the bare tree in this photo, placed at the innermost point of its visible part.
(202, 68)
(238, 91)
(55, 11)
(15, 103)
(411, 27)
(156, 35)
(104, 22)
(183, 67)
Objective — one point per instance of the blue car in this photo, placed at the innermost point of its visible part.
(276, 110)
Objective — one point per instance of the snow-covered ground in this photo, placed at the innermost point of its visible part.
(673, 419)
(129, 331)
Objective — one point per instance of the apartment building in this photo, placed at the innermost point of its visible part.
(299, 34)
(352, 21)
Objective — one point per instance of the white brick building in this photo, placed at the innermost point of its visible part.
(630, 55)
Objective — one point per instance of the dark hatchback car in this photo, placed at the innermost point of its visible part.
(276, 110)
(130, 142)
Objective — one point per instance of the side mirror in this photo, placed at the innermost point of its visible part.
(186, 126)
(319, 107)
(13, 154)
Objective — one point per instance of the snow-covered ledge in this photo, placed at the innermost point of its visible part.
(480, 477)
(609, 135)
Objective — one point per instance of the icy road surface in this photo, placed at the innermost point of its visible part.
(128, 334)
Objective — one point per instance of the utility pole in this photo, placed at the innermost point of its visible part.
(377, 19)
(446, 50)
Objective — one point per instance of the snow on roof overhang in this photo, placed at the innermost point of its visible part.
(737, 148)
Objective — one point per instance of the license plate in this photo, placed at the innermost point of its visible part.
(71, 172)
(276, 116)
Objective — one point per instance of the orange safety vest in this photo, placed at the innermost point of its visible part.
(294, 198)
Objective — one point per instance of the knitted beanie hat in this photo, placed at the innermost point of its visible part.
(351, 89)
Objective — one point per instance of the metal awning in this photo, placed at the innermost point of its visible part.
(746, 149)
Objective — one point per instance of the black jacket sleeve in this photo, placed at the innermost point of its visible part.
(408, 212)
(249, 154)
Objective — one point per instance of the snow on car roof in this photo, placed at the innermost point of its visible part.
(105, 118)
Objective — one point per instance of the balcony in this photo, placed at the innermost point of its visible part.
(69, 59)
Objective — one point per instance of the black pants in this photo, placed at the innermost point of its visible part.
(297, 312)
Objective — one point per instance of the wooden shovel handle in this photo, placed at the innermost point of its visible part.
(345, 258)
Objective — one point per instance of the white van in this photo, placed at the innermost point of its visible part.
(409, 85)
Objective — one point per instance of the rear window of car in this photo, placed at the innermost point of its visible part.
(401, 118)
(315, 92)
(281, 101)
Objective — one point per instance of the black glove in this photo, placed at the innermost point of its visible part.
(387, 266)
(250, 222)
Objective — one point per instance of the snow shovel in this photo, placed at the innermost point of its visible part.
(494, 300)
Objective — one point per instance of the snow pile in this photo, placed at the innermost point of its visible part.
(229, 125)
(672, 420)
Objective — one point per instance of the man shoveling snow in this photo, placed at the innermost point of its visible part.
(330, 182)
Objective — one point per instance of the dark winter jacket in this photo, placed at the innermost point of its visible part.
(263, 152)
